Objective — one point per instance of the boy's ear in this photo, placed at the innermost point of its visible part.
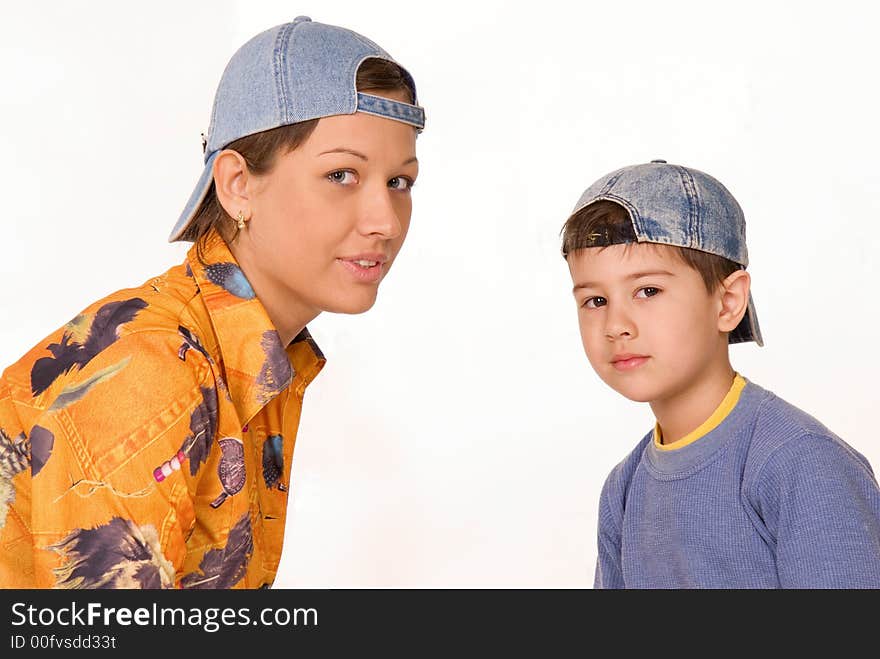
(734, 300)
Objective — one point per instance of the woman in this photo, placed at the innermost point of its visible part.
(148, 442)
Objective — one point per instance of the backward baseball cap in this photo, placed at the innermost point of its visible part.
(290, 73)
(684, 207)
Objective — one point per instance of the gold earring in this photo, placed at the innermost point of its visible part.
(241, 221)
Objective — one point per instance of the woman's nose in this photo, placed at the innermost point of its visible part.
(380, 215)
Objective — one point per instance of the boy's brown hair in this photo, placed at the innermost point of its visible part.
(605, 223)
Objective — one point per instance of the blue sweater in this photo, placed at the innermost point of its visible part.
(768, 499)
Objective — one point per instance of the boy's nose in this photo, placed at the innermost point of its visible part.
(619, 325)
(615, 333)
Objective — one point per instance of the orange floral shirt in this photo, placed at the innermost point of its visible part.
(148, 442)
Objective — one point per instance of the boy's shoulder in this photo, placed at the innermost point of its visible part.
(617, 482)
(775, 434)
(784, 434)
(776, 413)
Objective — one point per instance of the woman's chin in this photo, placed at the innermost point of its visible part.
(353, 306)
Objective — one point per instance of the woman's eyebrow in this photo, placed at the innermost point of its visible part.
(342, 149)
(358, 154)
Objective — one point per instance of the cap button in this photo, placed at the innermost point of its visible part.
(660, 161)
(302, 19)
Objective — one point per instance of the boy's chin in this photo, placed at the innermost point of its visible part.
(636, 398)
(634, 393)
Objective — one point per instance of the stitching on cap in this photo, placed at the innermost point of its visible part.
(376, 113)
(690, 190)
(385, 107)
(280, 67)
(610, 183)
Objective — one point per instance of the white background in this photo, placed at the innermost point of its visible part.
(457, 436)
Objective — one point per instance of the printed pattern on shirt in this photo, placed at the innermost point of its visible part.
(148, 442)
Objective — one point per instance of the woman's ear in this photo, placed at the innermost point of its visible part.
(230, 183)
(734, 300)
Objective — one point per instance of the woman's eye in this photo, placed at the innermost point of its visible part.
(647, 291)
(594, 302)
(342, 177)
(400, 183)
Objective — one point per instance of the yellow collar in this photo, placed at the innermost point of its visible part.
(720, 413)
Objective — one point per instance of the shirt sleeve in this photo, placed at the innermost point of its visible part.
(110, 472)
(820, 503)
(609, 573)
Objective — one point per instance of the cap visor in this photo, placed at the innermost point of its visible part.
(748, 328)
(195, 199)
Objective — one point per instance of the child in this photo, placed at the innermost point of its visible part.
(734, 487)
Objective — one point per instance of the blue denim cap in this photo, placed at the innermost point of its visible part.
(290, 73)
(676, 205)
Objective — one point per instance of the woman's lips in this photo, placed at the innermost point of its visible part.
(362, 271)
(628, 362)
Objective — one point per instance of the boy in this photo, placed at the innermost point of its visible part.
(734, 487)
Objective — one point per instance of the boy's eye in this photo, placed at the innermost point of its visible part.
(594, 302)
(647, 291)
(400, 183)
(342, 177)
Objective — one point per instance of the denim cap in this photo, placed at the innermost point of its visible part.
(675, 205)
(290, 73)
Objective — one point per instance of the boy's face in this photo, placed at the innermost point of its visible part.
(649, 326)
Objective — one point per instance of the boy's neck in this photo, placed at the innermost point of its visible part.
(685, 410)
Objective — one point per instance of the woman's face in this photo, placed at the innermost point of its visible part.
(328, 220)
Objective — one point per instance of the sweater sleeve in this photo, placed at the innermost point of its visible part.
(820, 504)
(612, 504)
(608, 568)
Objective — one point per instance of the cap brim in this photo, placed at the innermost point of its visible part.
(748, 328)
(195, 199)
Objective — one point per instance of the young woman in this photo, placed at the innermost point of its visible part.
(148, 442)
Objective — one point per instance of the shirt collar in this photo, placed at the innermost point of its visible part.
(737, 425)
(256, 365)
(724, 407)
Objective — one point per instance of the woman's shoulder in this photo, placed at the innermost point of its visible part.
(155, 333)
(123, 383)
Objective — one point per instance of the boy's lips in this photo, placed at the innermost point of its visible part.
(627, 361)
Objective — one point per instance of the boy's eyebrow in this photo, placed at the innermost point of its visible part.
(650, 273)
(633, 276)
